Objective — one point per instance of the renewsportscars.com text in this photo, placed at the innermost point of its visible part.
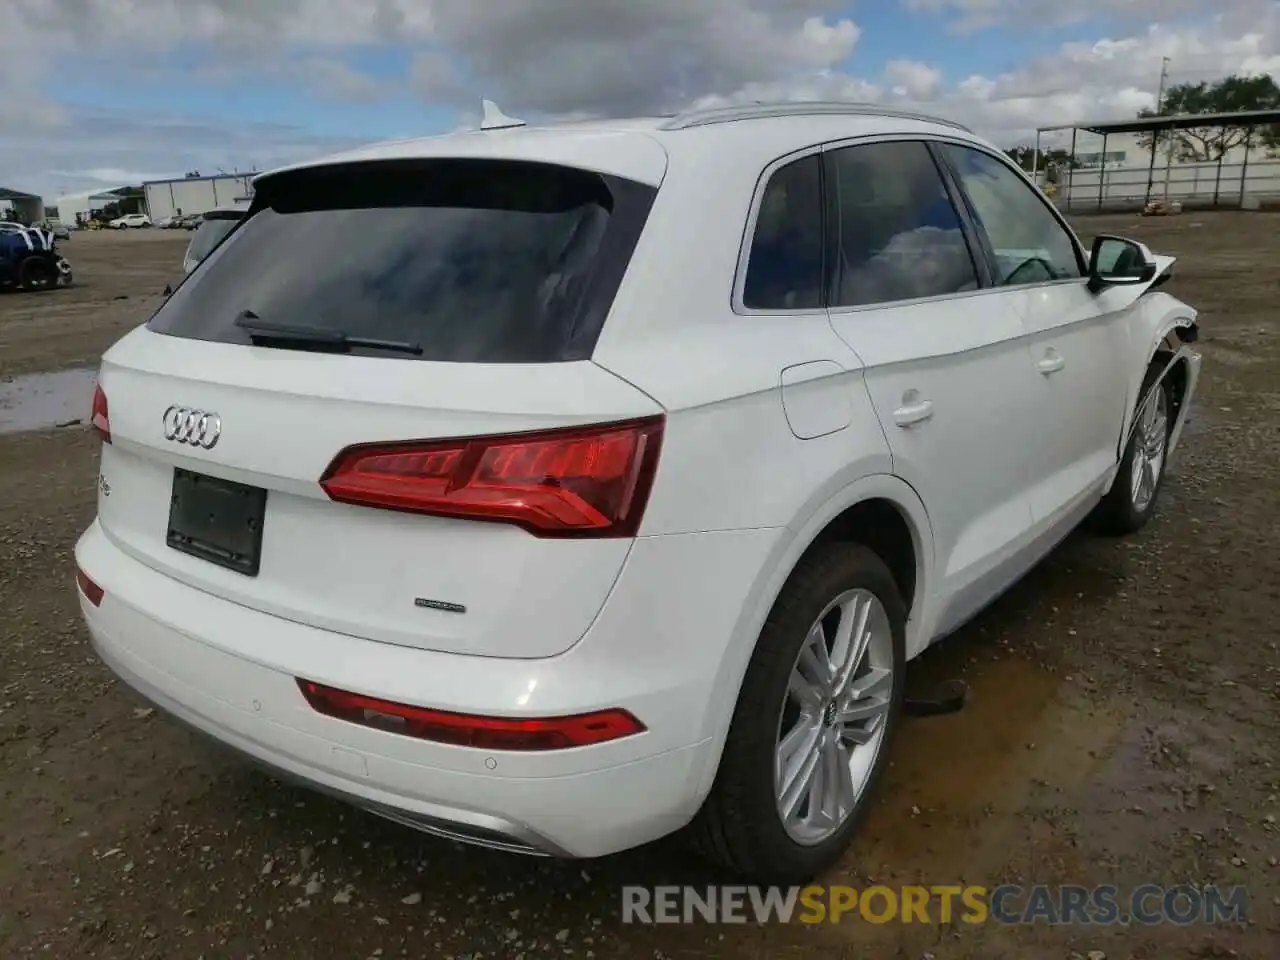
(1008, 904)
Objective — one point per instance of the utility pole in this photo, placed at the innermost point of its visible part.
(1155, 134)
(1168, 144)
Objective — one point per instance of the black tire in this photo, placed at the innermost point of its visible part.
(1117, 515)
(739, 827)
(37, 273)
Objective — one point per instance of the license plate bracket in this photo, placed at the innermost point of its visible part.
(217, 520)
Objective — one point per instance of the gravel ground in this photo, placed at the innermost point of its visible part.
(1122, 726)
(120, 278)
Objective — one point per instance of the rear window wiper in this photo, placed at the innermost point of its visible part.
(262, 332)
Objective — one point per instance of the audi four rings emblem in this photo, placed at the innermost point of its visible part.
(197, 428)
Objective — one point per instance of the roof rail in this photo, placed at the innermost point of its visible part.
(704, 116)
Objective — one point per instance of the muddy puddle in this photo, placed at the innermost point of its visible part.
(40, 401)
(960, 788)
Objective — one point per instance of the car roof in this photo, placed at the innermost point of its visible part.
(240, 208)
(640, 148)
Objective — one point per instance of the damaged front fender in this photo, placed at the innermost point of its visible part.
(1162, 332)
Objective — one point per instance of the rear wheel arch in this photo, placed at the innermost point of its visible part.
(850, 512)
(882, 526)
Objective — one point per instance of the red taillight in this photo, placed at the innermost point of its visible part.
(576, 482)
(92, 592)
(464, 730)
(99, 419)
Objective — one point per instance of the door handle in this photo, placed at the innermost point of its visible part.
(1051, 363)
(913, 413)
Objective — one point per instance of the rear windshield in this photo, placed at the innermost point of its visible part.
(212, 229)
(467, 260)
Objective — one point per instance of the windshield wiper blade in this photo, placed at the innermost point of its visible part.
(265, 331)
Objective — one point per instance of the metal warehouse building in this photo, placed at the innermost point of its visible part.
(82, 206)
(189, 195)
(14, 204)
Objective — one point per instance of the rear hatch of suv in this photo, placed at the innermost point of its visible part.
(372, 408)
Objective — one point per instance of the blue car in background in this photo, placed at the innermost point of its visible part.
(29, 259)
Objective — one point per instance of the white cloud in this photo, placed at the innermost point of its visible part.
(1110, 78)
(567, 58)
(913, 79)
(94, 151)
(967, 16)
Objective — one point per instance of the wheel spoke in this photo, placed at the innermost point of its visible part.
(869, 700)
(1155, 438)
(835, 786)
(852, 638)
(814, 662)
(876, 682)
(1159, 431)
(800, 784)
(1148, 480)
(862, 710)
(842, 763)
(1139, 463)
(1151, 410)
(804, 693)
(791, 749)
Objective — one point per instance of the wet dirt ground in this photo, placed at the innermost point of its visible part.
(120, 276)
(1122, 725)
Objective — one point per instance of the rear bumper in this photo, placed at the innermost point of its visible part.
(452, 823)
(229, 672)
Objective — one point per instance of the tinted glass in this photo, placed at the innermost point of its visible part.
(784, 269)
(469, 260)
(208, 234)
(1029, 243)
(900, 237)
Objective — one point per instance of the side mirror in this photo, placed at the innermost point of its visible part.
(1116, 261)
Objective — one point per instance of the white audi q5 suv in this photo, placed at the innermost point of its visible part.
(558, 488)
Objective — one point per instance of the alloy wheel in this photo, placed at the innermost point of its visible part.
(1150, 444)
(834, 716)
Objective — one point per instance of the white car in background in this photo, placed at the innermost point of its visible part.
(554, 489)
(130, 221)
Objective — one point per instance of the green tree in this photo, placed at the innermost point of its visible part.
(1228, 95)
(1025, 157)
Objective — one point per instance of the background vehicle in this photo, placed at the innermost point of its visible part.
(130, 221)
(564, 488)
(57, 229)
(213, 227)
(29, 259)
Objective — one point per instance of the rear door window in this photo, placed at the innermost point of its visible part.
(468, 260)
(900, 237)
(784, 267)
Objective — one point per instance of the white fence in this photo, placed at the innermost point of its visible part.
(1194, 184)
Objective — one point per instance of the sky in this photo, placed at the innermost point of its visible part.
(101, 93)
